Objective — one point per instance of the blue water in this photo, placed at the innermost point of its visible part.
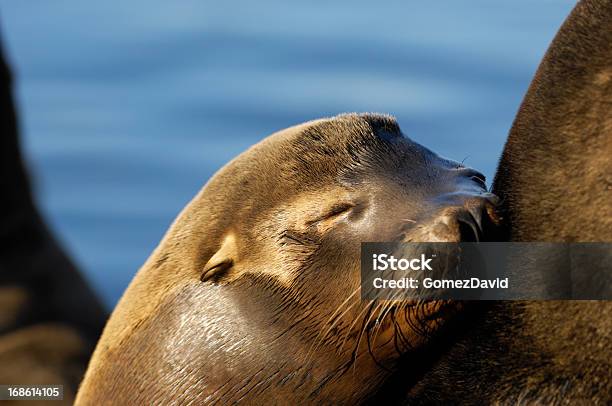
(127, 108)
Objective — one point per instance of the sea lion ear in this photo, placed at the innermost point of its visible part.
(222, 261)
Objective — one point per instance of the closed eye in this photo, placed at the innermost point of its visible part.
(335, 211)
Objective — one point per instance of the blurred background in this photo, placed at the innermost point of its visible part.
(127, 108)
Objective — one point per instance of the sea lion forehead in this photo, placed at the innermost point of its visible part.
(338, 130)
(310, 152)
(343, 139)
(300, 158)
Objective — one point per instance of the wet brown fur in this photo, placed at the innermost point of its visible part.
(274, 322)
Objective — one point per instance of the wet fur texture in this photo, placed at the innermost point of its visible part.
(245, 298)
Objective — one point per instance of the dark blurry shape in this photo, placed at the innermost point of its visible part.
(49, 317)
(554, 179)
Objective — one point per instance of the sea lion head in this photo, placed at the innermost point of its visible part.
(253, 294)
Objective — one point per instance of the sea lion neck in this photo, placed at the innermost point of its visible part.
(224, 344)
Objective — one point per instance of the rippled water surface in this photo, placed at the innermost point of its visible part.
(128, 107)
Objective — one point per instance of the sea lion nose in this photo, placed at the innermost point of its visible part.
(477, 217)
(466, 218)
(474, 218)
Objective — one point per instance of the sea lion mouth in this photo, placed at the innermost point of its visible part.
(392, 329)
(419, 316)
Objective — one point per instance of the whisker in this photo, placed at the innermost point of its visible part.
(361, 331)
(391, 302)
(372, 354)
(321, 336)
(352, 325)
(398, 335)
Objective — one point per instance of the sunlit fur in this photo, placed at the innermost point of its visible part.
(253, 294)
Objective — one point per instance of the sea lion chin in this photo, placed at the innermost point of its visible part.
(253, 294)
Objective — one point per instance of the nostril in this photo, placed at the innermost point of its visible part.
(480, 180)
(468, 232)
(483, 212)
(469, 218)
(474, 176)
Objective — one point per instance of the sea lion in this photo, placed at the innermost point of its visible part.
(50, 319)
(554, 180)
(253, 294)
